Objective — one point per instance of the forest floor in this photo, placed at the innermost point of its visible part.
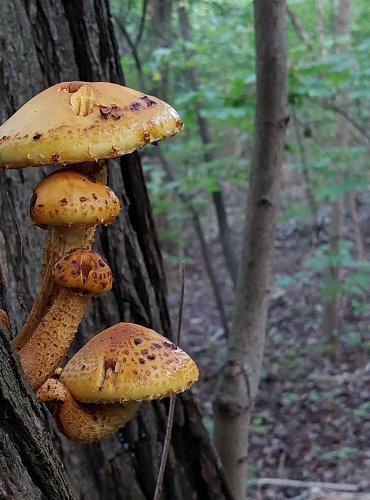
(312, 415)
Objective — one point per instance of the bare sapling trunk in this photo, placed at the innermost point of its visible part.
(331, 312)
(238, 381)
(206, 138)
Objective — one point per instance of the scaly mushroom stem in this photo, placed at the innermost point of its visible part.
(84, 422)
(71, 230)
(53, 336)
(80, 273)
(61, 239)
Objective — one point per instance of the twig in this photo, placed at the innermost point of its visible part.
(291, 483)
(298, 28)
(142, 24)
(171, 411)
(134, 51)
(306, 175)
(342, 112)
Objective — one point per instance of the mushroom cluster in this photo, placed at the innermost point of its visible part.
(102, 386)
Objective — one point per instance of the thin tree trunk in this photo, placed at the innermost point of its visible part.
(43, 42)
(331, 311)
(359, 240)
(207, 258)
(206, 137)
(238, 382)
(299, 29)
(320, 27)
(161, 12)
(306, 175)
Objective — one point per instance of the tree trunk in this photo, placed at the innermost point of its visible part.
(43, 42)
(208, 156)
(331, 312)
(238, 382)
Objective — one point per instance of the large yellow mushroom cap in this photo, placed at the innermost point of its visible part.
(75, 122)
(128, 362)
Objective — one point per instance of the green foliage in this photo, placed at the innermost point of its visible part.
(356, 274)
(221, 52)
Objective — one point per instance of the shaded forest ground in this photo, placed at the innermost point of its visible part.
(312, 418)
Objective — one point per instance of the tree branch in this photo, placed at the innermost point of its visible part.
(299, 29)
(134, 51)
(142, 24)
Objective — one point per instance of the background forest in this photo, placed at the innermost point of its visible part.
(312, 415)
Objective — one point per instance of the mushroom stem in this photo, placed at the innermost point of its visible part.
(60, 240)
(80, 273)
(84, 422)
(50, 342)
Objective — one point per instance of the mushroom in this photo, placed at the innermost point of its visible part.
(81, 422)
(69, 205)
(80, 274)
(90, 122)
(128, 362)
(123, 365)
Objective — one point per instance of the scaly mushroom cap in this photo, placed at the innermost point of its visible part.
(83, 269)
(75, 122)
(69, 198)
(128, 362)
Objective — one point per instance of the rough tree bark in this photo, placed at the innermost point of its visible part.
(43, 42)
(238, 382)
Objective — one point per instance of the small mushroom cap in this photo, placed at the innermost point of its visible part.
(83, 269)
(75, 122)
(69, 198)
(128, 362)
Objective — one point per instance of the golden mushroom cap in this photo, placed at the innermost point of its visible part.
(83, 269)
(75, 122)
(128, 362)
(68, 198)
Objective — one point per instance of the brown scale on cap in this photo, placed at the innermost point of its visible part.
(80, 275)
(114, 366)
(81, 422)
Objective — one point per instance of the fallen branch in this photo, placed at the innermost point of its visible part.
(292, 483)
